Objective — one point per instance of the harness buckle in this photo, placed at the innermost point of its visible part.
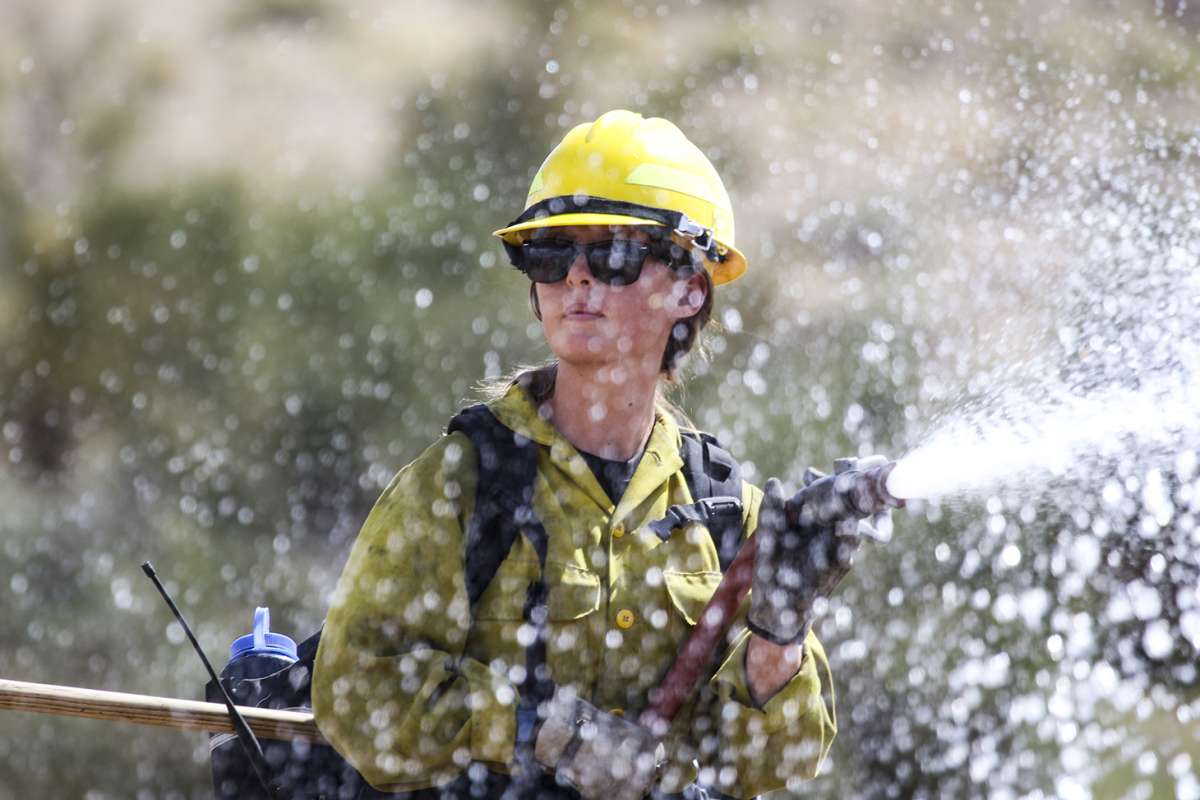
(721, 506)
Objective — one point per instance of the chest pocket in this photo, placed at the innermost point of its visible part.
(573, 597)
(690, 592)
(573, 629)
(573, 593)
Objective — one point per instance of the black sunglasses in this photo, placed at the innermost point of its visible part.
(616, 262)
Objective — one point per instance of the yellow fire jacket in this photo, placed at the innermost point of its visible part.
(411, 688)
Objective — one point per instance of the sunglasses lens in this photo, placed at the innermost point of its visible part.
(618, 262)
(547, 260)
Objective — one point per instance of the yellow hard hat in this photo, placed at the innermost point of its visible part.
(624, 169)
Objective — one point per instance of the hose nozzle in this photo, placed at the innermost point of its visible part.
(857, 489)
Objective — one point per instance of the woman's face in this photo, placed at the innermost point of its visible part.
(589, 323)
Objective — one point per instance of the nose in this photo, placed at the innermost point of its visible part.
(579, 274)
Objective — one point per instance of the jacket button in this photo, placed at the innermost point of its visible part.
(625, 619)
(619, 531)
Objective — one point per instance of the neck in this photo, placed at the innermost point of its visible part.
(605, 410)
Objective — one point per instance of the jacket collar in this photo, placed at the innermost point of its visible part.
(661, 459)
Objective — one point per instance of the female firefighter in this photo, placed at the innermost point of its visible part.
(441, 666)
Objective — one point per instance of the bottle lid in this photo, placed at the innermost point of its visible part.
(262, 641)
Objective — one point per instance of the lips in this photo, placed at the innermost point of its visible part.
(581, 312)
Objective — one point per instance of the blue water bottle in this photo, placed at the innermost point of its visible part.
(260, 653)
(252, 657)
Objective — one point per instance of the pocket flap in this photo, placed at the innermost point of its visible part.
(691, 591)
(574, 593)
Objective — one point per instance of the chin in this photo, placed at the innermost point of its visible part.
(584, 353)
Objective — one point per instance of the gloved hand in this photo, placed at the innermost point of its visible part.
(797, 560)
(600, 754)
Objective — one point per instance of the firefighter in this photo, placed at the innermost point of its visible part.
(423, 686)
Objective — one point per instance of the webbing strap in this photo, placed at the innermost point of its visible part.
(503, 510)
(503, 499)
(715, 481)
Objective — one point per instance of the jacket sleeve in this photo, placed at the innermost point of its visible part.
(788, 737)
(391, 689)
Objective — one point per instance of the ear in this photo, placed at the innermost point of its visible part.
(687, 296)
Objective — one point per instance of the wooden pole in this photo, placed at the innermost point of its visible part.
(166, 712)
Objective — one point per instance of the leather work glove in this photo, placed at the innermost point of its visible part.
(601, 755)
(799, 560)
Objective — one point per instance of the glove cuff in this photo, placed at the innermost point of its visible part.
(598, 754)
(564, 714)
(777, 634)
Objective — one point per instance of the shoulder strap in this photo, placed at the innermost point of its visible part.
(713, 473)
(503, 508)
(503, 498)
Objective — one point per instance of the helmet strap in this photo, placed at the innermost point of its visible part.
(676, 221)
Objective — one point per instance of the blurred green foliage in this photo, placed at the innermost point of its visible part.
(217, 364)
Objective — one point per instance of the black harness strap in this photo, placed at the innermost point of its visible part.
(715, 481)
(503, 510)
(503, 499)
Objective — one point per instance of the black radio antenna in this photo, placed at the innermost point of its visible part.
(246, 736)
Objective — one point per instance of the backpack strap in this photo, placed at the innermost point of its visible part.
(715, 480)
(503, 509)
(503, 499)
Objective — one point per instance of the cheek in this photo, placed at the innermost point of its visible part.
(642, 322)
(547, 298)
(636, 307)
(659, 298)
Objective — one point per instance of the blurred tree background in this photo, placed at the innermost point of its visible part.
(246, 273)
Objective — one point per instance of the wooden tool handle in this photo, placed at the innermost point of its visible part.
(167, 712)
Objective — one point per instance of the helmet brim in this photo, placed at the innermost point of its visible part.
(511, 234)
(733, 265)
